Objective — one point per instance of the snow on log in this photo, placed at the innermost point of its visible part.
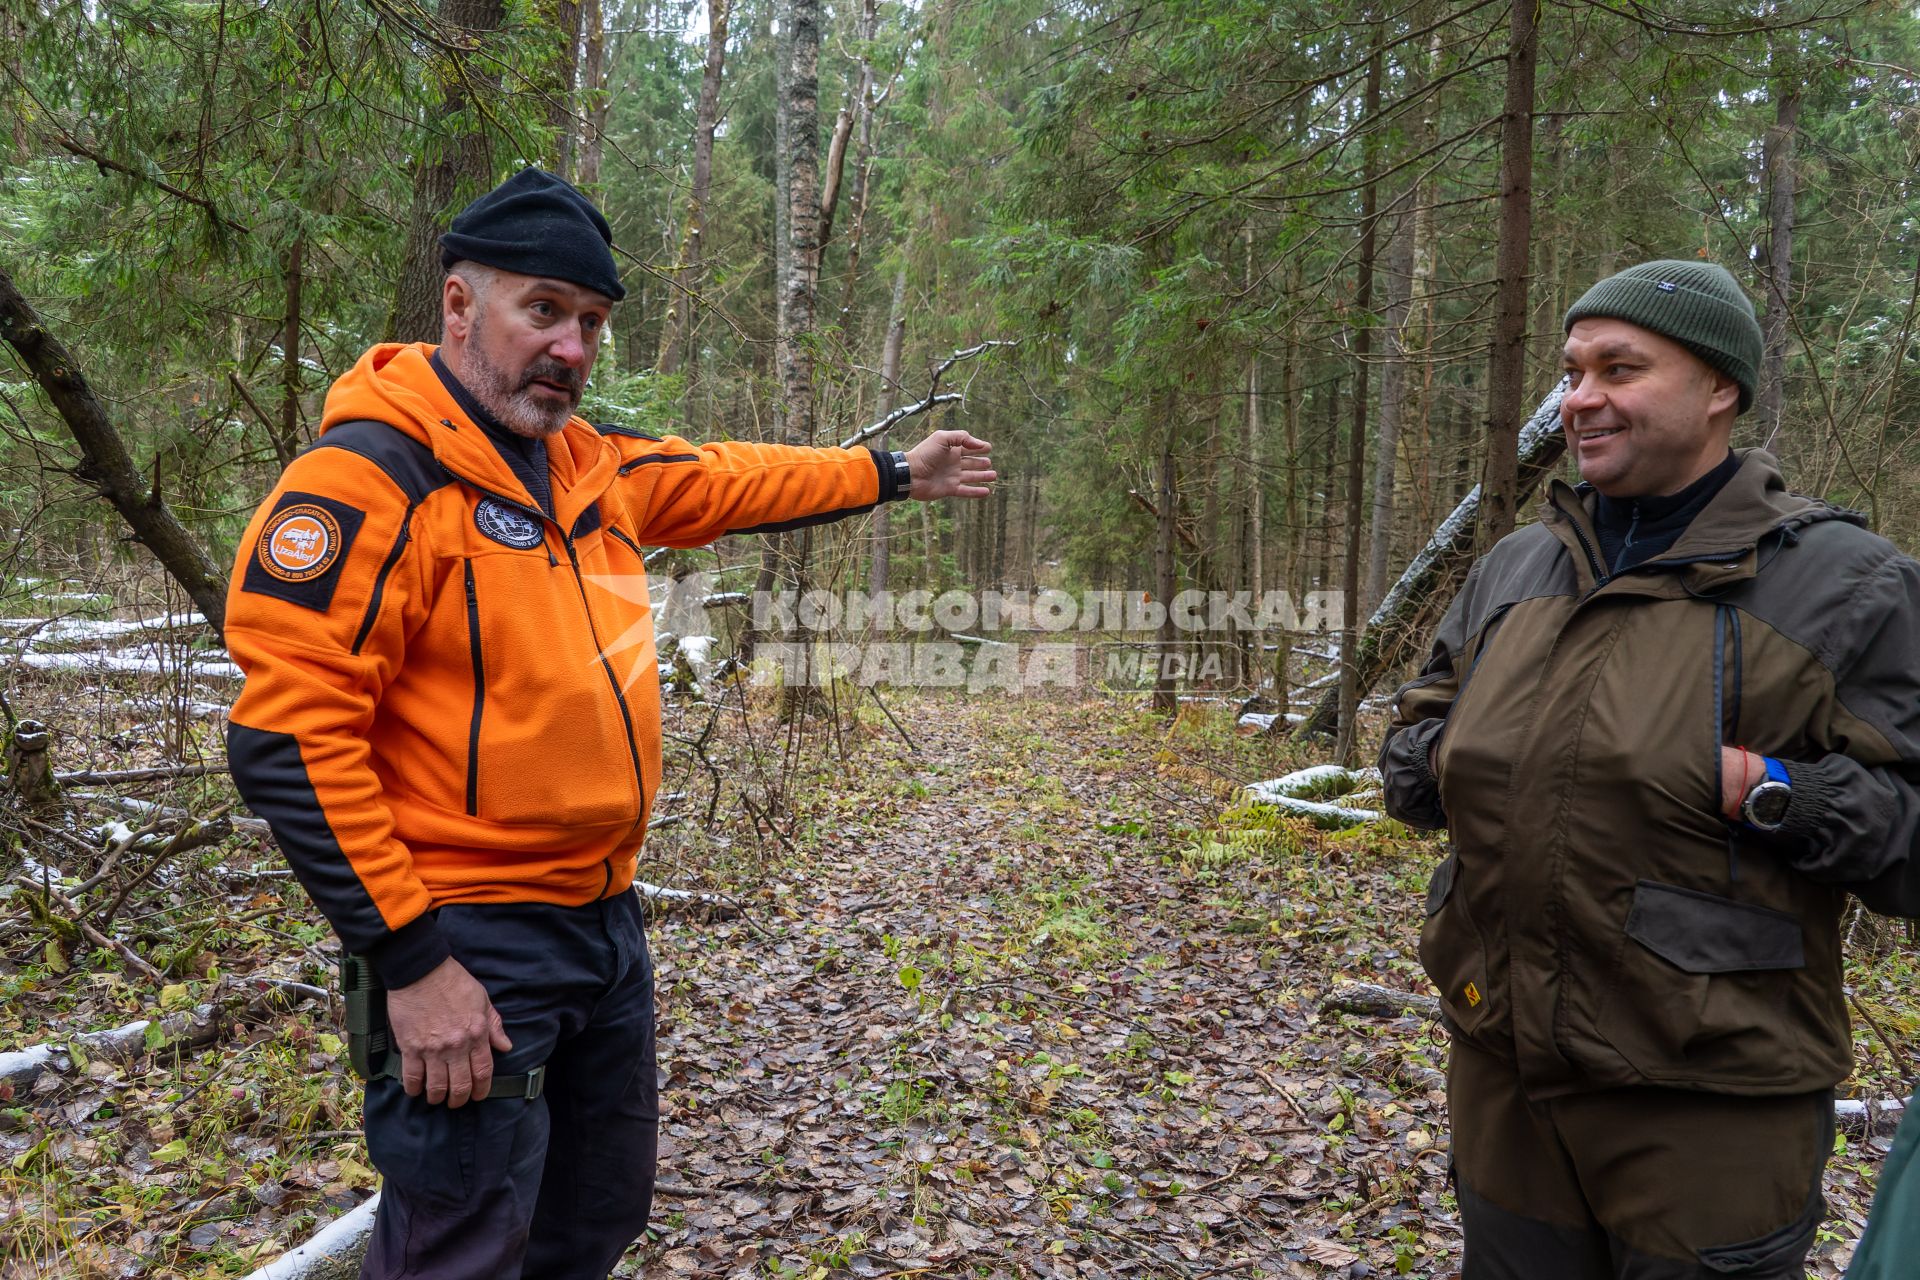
(1311, 793)
(1436, 573)
(332, 1253)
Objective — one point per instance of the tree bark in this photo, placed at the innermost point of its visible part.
(879, 575)
(453, 165)
(800, 104)
(105, 462)
(563, 88)
(286, 442)
(1357, 441)
(1165, 567)
(1393, 400)
(1781, 188)
(594, 100)
(675, 331)
(860, 186)
(1507, 364)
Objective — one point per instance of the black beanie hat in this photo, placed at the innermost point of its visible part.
(1697, 304)
(536, 224)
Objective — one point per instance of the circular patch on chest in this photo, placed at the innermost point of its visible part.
(507, 525)
(300, 543)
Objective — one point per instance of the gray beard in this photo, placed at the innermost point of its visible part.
(515, 406)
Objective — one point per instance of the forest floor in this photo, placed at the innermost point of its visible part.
(1032, 996)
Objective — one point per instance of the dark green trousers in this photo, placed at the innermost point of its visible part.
(1633, 1184)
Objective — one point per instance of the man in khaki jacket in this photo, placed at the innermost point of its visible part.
(1668, 729)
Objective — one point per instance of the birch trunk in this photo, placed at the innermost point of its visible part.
(878, 576)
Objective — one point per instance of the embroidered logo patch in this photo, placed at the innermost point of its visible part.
(1472, 993)
(300, 543)
(1666, 286)
(505, 525)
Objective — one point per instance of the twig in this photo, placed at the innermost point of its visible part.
(1901, 1059)
(890, 720)
(934, 397)
(89, 777)
(127, 954)
(906, 411)
(191, 836)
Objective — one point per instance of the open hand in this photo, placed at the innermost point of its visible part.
(950, 464)
(446, 1030)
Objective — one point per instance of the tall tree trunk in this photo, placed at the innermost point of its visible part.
(1357, 444)
(453, 166)
(1507, 365)
(676, 329)
(801, 107)
(1166, 572)
(104, 460)
(563, 85)
(860, 186)
(878, 575)
(1781, 184)
(286, 441)
(799, 104)
(594, 99)
(1393, 400)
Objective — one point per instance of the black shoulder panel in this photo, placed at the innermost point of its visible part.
(408, 463)
(615, 429)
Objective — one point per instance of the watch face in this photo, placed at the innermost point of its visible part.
(1768, 804)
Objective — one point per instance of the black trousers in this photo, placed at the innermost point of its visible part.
(549, 1189)
(1632, 1184)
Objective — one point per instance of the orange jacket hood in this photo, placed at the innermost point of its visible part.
(396, 383)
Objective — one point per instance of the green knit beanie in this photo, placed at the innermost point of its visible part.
(1697, 304)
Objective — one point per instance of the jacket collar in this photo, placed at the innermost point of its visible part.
(1721, 546)
(395, 383)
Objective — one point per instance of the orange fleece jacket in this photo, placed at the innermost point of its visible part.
(451, 697)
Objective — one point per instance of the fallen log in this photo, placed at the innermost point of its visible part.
(1426, 588)
(332, 1253)
(188, 1029)
(1373, 1001)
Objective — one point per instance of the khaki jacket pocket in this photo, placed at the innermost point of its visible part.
(1453, 952)
(1698, 988)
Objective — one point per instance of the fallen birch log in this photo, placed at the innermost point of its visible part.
(1326, 794)
(189, 1029)
(1373, 1001)
(1429, 583)
(332, 1253)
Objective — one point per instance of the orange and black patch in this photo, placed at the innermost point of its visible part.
(301, 547)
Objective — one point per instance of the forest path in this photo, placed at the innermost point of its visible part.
(1000, 1018)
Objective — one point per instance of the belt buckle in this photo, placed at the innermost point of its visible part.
(536, 1082)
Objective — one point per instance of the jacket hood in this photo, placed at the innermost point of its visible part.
(395, 383)
(1754, 503)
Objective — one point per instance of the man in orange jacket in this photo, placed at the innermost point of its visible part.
(457, 744)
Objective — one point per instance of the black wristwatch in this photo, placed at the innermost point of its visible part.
(1765, 808)
(902, 474)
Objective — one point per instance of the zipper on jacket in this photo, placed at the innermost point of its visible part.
(613, 679)
(1726, 619)
(479, 692)
(1600, 575)
(380, 579)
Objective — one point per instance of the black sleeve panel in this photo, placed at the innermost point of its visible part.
(272, 779)
(1855, 813)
